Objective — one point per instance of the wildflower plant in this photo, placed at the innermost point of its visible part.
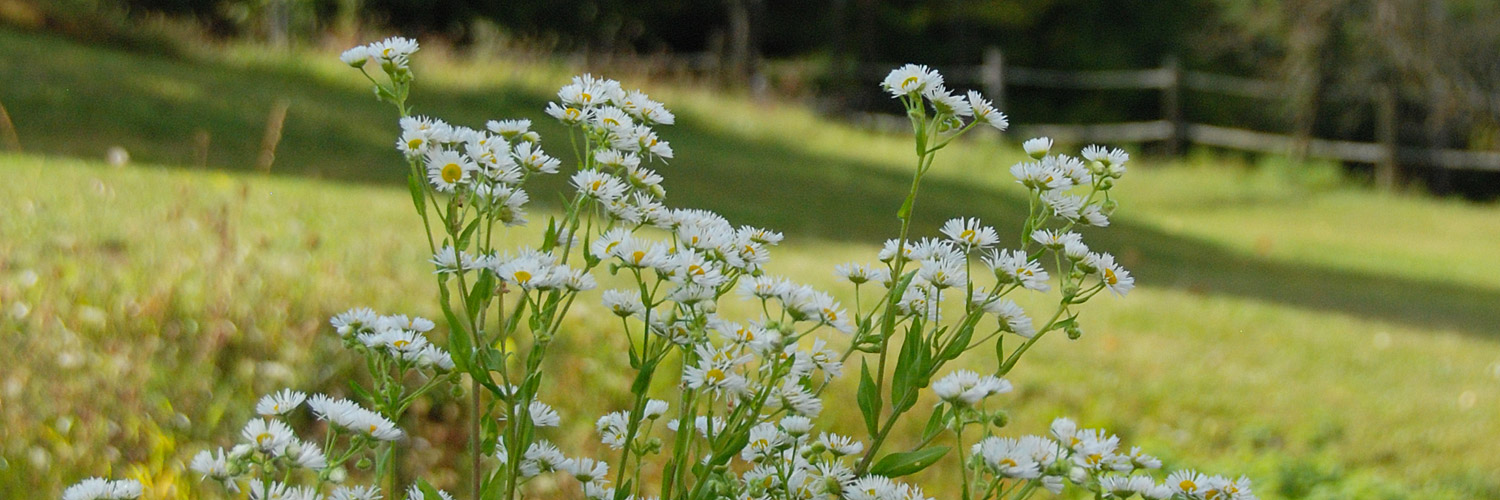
(739, 417)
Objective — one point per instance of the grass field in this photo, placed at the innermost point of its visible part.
(1328, 341)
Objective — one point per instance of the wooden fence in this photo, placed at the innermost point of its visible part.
(1387, 154)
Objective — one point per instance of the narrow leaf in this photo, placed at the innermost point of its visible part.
(900, 464)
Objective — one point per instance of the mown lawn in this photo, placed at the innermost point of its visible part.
(1328, 341)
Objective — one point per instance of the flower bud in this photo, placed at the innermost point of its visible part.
(1000, 418)
(1073, 331)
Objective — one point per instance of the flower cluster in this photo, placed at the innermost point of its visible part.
(733, 415)
(269, 448)
(95, 488)
(1091, 459)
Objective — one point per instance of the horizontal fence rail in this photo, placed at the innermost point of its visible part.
(994, 76)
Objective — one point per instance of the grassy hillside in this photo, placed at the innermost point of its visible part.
(1330, 342)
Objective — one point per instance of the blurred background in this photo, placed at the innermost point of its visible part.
(195, 186)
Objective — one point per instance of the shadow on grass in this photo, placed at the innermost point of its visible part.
(76, 100)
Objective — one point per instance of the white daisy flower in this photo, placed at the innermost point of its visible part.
(434, 357)
(309, 456)
(1040, 176)
(1055, 240)
(96, 488)
(356, 57)
(280, 403)
(543, 415)
(969, 234)
(531, 157)
(1008, 458)
(448, 169)
(1013, 266)
(1065, 206)
(269, 436)
(967, 387)
(946, 103)
(1113, 275)
(611, 118)
(211, 464)
(942, 274)
(598, 185)
(509, 129)
(1187, 482)
(1038, 147)
(352, 416)
(569, 115)
(623, 303)
(1012, 317)
(654, 409)
(612, 429)
(394, 49)
(985, 112)
(355, 493)
(873, 488)
(616, 159)
(1093, 216)
(586, 470)
(911, 79)
(840, 445)
(353, 321)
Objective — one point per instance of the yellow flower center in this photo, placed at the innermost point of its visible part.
(909, 81)
(696, 270)
(1187, 485)
(714, 376)
(572, 113)
(1008, 462)
(611, 246)
(401, 344)
(373, 428)
(594, 186)
(586, 97)
(452, 173)
(414, 143)
(638, 256)
(522, 277)
(966, 235)
(1109, 277)
(611, 122)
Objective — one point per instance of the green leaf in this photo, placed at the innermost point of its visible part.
(428, 492)
(643, 379)
(360, 391)
(960, 340)
(418, 196)
(908, 366)
(900, 464)
(868, 398)
(484, 288)
(468, 232)
(934, 424)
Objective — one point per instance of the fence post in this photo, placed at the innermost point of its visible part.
(992, 76)
(1171, 105)
(1388, 171)
(272, 138)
